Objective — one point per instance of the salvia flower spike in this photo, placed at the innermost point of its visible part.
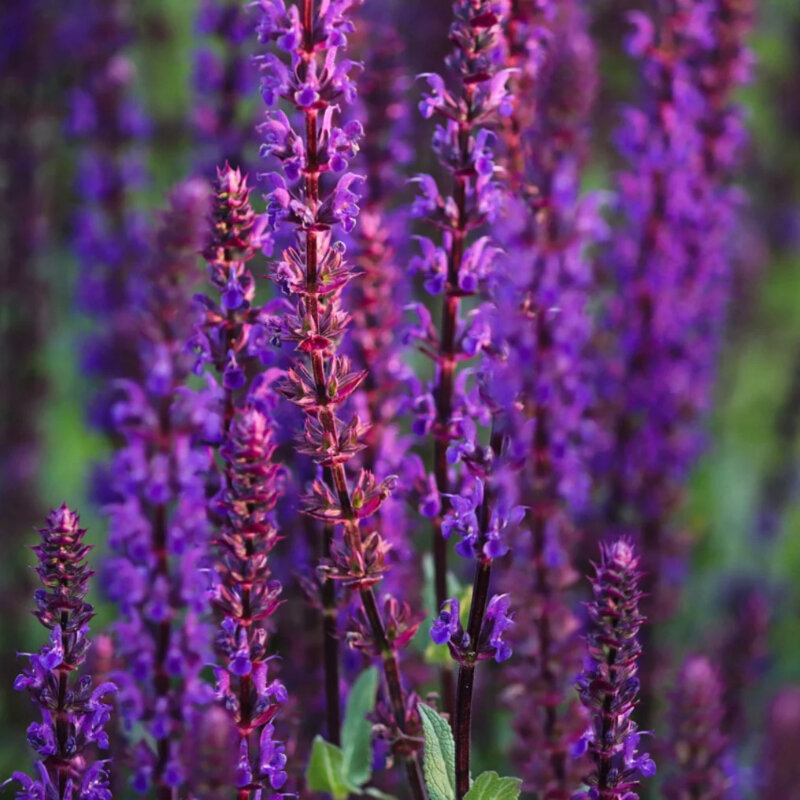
(158, 530)
(231, 336)
(608, 685)
(74, 710)
(544, 319)
(697, 744)
(312, 193)
(247, 595)
(456, 264)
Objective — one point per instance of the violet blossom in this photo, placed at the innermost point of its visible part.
(457, 265)
(231, 336)
(74, 711)
(671, 276)
(697, 740)
(224, 79)
(608, 685)
(306, 196)
(111, 235)
(158, 529)
(544, 323)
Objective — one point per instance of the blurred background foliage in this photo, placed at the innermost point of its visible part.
(742, 507)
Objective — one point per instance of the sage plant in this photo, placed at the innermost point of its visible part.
(456, 264)
(223, 81)
(665, 312)
(74, 711)
(231, 336)
(158, 528)
(697, 741)
(306, 196)
(111, 235)
(608, 685)
(545, 322)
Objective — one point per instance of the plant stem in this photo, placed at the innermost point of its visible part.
(466, 676)
(444, 391)
(330, 645)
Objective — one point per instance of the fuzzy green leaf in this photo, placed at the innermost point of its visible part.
(325, 773)
(439, 764)
(357, 731)
(490, 786)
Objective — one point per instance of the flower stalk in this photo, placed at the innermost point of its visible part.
(314, 272)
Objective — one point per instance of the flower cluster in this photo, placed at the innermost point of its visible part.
(457, 266)
(697, 743)
(231, 336)
(74, 713)
(608, 685)
(447, 629)
(306, 193)
(223, 78)
(671, 275)
(158, 529)
(232, 331)
(544, 323)
(111, 235)
(246, 593)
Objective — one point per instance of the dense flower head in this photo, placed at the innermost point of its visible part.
(312, 202)
(245, 592)
(74, 711)
(232, 330)
(697, 740)
(158, 530)
(608, 685)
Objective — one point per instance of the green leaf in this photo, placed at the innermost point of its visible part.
(439, 764)
(490, 786)
(325, 773)
(371, 791)
(357, 731)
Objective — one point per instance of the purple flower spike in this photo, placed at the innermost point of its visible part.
(672, 265)
(223, 79)
(456, 262)
(158, 527)
(247, 595)
(231, 336)
(74, 713)
(608, 685)
(110, 234)
(697, 742)
(313, 200)
(544, 321)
